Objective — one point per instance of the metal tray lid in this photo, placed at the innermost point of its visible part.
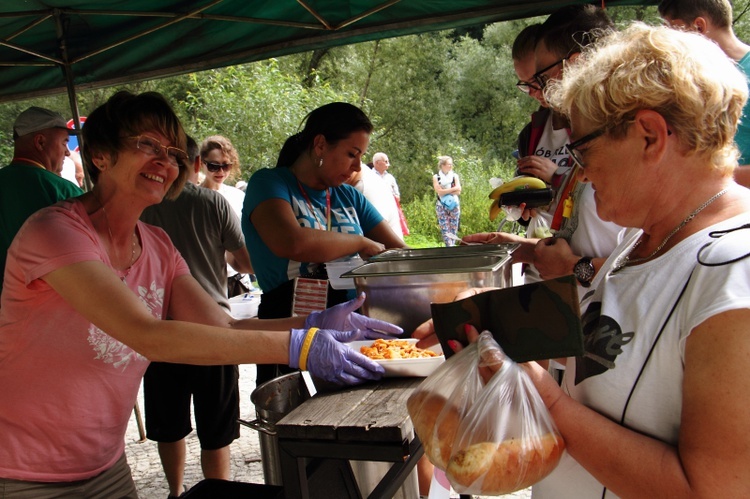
(421, 266)
(445, 252)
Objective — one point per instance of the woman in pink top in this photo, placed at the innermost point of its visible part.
(87, 289)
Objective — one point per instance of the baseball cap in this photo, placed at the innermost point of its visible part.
(35, 119)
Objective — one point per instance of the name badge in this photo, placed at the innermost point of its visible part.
(310, 295)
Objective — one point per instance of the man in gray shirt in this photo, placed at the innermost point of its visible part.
(207, 233)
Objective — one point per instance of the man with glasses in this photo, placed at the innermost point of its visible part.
(541, 143)
(583, 240)
(713, 19)
(541, 165)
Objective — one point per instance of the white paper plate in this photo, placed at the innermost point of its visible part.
(406, 367)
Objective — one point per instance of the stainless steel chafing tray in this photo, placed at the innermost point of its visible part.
(400, 291)
(445, 252)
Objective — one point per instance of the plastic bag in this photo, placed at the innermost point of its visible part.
(435, 420)
(541, 227)
(498, 437)
(512, 213)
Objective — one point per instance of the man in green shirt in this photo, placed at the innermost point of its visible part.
(32, 180)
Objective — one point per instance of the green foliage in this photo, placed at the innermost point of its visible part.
(407, 94)
(741, 24)
(421, 241)
(420, 214)
(487, 105)
(255, 105)
(439, 93)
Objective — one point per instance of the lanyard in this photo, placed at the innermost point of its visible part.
(565, 205)
(31, 161)
(309, 205)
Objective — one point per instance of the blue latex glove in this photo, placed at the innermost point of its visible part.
(330, 359)
(343, 317)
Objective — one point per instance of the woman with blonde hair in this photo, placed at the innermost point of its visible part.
(656, 407)
(656, 404)
(448, 207)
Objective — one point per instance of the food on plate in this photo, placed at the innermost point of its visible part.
(395, 349)
(495, 468)
(436, 423)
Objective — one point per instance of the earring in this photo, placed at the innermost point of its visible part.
(320, 163)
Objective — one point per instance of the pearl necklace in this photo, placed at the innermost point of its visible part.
(625, 260)
(112, 243)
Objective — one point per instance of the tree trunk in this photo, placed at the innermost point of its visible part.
(370, 71)
(315, 58)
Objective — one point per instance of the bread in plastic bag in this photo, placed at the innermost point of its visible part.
(498, 437)
(507, 440)
(441, 400)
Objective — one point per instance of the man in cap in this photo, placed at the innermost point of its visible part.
(32, 179)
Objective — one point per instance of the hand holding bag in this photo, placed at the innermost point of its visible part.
(498, 436)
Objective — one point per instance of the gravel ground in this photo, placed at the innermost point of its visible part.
(246, 465)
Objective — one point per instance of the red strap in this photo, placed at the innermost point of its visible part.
(312, 209)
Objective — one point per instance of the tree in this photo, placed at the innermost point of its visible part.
(255, 105)
(440, 93)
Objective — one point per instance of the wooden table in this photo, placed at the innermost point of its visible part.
(367, 423)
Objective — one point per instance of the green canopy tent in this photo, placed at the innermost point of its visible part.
(52, 46)
(55, 46)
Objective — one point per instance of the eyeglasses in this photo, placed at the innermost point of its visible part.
(526, 86)
(573, 146)
(541, 79)
(215, 167)
(153, 147)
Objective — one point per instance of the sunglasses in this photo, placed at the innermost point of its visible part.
(215, 167)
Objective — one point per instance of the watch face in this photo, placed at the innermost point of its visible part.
(584, 271)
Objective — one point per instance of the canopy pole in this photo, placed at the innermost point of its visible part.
(67, 70)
